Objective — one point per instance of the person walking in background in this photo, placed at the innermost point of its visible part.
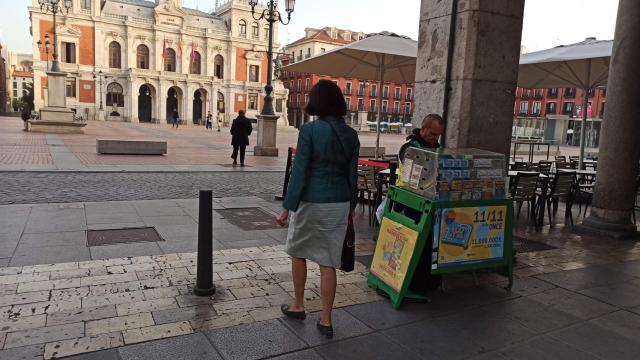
(320, 199)
(176, 119)
(240, 130)
(209, 123)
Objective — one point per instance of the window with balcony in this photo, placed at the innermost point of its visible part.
(407, 108)
(537, 94)
(307, 84)
(535, 109)
(255, 30)
(218, 62)
(308, 53)
(361, 87)
(170, 60)
(526, 93)
(374, 91)
(243, 28)
(299, 87)
(347, 100)
(385, 106)
(85, 4)
(68, 53)
(397, 94)
(567, 108)
(551, 108)
(409, 96)
(114, 55)
(524, 108)
(396, 107)
(253, 101)
(570, 92)
(591, 92)
(254, 73)
(360, 104)
(385, 92)
(552, 92)
(142, 57)
(71, 87)
(306, 99)
(372, 105)
(347, 88)
(196, 63)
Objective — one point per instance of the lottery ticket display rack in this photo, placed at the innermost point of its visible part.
(468, 235)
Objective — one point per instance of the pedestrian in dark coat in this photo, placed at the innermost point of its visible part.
(176, 119)
(240, 130)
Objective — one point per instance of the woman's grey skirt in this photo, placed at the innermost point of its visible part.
(317, 231)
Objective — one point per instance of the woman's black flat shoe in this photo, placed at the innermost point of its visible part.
(327, 331)
(300, 315)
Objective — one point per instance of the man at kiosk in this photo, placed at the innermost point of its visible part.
(426, 136)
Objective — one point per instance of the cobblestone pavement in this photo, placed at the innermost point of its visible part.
(61, 187)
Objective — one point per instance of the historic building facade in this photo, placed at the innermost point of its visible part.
(361, 96)
(157, 56)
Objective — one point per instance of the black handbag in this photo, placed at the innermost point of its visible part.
(348, 258)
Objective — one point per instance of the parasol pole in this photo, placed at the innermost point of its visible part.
(585, 104)
(380, 88)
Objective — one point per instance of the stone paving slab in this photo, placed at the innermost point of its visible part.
(139, 299)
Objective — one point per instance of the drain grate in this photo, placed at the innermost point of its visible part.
(250, 218)
(524, 245)
(122, 236)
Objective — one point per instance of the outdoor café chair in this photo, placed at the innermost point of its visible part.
(544, 166)
(561, 158)
(520, 166)
(524, 190)
(562, 186)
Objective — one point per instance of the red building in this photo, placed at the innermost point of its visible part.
(550, 113)
(361, 95)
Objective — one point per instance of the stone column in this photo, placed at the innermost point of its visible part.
(484, 69)
(614, 193)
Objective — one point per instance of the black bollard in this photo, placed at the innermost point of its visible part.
(204, 278)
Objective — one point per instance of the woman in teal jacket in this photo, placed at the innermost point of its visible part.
(321, 195)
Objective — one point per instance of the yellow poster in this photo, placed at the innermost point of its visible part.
(394, 249)
(469, 234)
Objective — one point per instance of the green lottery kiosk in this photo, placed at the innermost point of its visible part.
(450, 206)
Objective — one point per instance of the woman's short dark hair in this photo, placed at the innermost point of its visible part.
(326, 99)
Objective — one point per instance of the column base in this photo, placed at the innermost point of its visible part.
(265, 151)
(595, 225)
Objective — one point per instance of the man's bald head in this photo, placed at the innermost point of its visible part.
(431, 129)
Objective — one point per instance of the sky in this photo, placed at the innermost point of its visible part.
(547, 23)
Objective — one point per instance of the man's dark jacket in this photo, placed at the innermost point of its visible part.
(240, 131)
(415, 140)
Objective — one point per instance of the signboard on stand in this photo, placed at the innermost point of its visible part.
(468, 235)
(394, 248)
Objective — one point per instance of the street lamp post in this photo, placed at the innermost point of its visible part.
(267, 120)
(47, 44)
(271, 15)
(54, 7)
(100, 78)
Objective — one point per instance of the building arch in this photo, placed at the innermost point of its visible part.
(174, 102)
(115, 98)
(115, 55)
(200, 101)
(146, 102)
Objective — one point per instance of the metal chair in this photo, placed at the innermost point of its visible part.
(562, 186)
(561, 158)
(544, 166)
(520, 166)
(524, 189)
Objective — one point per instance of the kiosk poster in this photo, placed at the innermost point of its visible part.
(468, 235)
(394, 248)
